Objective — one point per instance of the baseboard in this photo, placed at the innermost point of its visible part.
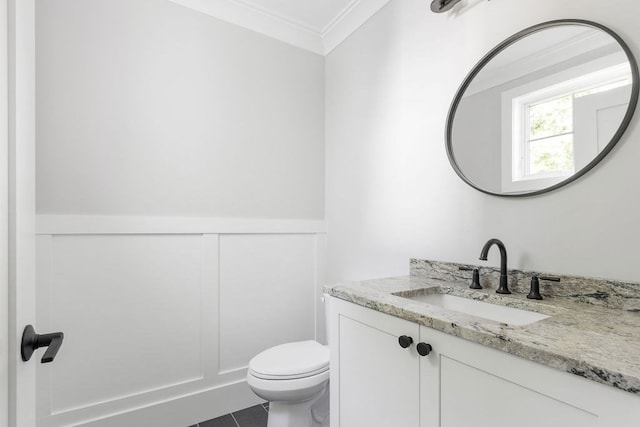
(185, 410)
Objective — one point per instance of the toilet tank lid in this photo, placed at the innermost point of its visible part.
(292, 359)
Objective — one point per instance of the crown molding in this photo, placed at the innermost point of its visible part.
(349, 20)
(287, 29)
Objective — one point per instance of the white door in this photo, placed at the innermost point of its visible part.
(596, 118)
(18, 215)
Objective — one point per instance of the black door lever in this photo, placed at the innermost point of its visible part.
(32, 341)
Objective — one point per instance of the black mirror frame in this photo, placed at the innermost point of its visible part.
(633, 100)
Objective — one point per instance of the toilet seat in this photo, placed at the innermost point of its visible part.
(290, 361)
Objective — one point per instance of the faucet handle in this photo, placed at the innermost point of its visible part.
(475, 280)
(534, 292)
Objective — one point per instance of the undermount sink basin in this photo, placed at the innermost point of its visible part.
(498, 313)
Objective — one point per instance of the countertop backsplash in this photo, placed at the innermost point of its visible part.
(607, 293)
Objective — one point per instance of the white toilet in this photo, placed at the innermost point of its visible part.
(294, 378)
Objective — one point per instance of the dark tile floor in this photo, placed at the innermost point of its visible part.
(256, 416)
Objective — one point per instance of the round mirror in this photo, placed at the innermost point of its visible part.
(542, 108)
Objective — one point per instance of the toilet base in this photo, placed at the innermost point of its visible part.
(310, 413)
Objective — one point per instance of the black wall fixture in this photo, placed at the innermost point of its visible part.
(439, 6)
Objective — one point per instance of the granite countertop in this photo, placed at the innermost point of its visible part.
(593, 330)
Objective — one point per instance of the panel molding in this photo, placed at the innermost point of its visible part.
(150, 403)
(267, 294)
(210, 303)
(97, 224)
(144, 392)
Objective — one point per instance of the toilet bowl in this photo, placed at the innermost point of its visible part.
(294, 378)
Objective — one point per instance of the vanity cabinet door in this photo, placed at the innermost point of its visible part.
(375, 381)
(484, 387)
(471, 396)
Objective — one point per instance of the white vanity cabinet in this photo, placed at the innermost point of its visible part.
(377, 383)
(376, 377)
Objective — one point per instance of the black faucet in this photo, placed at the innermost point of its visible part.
(504, 287)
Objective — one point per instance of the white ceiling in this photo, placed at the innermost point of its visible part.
(315, 25)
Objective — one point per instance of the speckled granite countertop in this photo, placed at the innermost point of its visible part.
(593, 330)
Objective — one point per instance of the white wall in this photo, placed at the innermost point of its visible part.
(391, 193)
(149, 108)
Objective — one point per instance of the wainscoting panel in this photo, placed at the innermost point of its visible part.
(266, 294)
(157, 323)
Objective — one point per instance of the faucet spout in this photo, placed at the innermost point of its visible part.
(503, 288)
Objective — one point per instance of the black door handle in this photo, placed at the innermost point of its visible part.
(32, 341)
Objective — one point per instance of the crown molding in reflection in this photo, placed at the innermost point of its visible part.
(559, 51)
(288, 29)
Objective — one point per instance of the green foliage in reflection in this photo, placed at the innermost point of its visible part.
(550, 136)
(551, 155)
(551, 117)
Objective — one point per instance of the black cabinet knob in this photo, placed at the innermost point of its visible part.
(424, 349)
(405, 341)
